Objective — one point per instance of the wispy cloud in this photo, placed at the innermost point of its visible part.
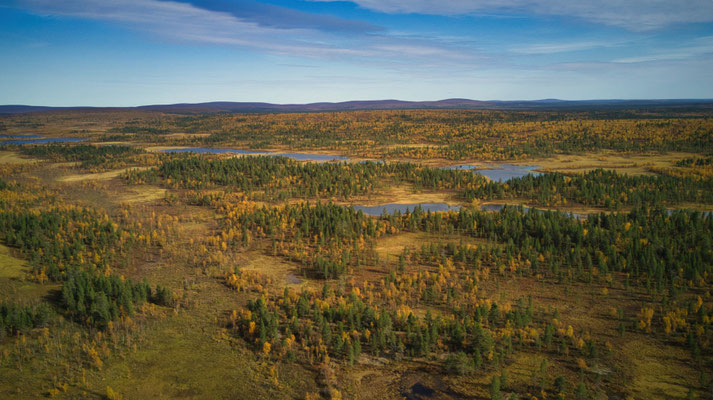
(635, 15)
(565, 47)
(282, 17)
(701, 46)
(187, 22)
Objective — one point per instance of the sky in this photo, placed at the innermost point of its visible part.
(138, 52)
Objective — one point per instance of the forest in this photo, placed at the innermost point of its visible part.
(126, 268)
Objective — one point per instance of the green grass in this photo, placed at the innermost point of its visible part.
(14, 285)
(183, 357)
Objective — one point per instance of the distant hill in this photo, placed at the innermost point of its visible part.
(246, 107)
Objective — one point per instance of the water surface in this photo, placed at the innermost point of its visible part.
(403, 208)
(500, 172)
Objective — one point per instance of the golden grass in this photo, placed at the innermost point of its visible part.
(10, 157)
(629, 163)
(142, 193)
(393, 245)
(403, 194)
(182, 357)
(13, 283)
(10, 267)
(659, 371)
(101, 176)
(283, 273)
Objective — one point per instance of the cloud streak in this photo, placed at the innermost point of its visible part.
(282, 17)
(182, 21)
(634, 15)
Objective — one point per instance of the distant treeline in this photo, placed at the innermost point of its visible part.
(448, 134)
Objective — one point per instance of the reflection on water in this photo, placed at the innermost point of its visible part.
(500, 172)
(403, 208)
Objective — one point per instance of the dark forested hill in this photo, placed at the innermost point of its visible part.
(255, 107)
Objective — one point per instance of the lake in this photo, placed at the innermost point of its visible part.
(500, 172)
(403, 208)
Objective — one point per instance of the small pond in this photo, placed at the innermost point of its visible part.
(500, 172)
(403, 208)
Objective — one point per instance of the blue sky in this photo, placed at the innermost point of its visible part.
(134, 52)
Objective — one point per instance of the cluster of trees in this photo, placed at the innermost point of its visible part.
(664, 252)
(339, 325)
(602, 188)
(56, 239)
(653, 246)
(279, 175)
(97, 299)
(695, 161)
(327, 237)
(89, 156)
(279, 178)
(131, 128)
(456, 323)
(15, 318)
